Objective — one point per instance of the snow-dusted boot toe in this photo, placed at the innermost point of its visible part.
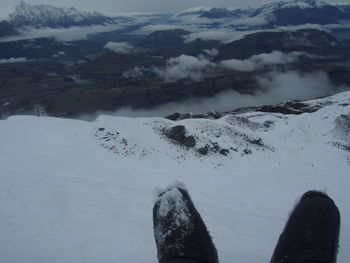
(180, 233)
(311, 233)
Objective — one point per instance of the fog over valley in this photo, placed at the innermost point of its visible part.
(69, 62)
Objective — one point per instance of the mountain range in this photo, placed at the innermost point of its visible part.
(289, 12)
(283, 13)
(44, 15)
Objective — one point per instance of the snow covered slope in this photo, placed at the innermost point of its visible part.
(76, 191)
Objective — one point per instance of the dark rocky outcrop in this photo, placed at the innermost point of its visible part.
(203, 150)
(342, 132)
(178, 135)
(178, 116)
(289, 107)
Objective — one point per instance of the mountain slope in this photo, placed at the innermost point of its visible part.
(306, 40)
(76, 191)
(6, 29)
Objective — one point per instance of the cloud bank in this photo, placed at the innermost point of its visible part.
(274, 87)
(184, 67)
(259, 61)
(196, 68)
(120, 47)
(63, 34)
(13, 60)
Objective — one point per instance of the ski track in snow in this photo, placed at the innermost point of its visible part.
(66, 195)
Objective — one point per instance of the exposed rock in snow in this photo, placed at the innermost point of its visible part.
(229, 134)
(178, 135)
(341, 132)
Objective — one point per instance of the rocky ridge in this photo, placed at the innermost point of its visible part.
(240, 133)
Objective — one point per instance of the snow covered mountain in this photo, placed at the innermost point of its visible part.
(282, 13)
(196, 11)
(298, 12)
(77, 191)
(301, 4)
(44, 15)
(214, 13)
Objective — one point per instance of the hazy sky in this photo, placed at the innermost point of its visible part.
(111, 7)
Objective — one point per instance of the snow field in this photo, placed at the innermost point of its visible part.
(66, 196)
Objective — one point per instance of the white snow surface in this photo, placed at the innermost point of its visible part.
(77, 191)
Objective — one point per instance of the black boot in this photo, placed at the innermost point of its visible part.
(180, 233)
(311, 233)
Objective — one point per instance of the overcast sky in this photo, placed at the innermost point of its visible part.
(111, 7)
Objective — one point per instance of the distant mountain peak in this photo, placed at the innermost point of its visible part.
(301, 4)
(194, 11)
(279, 13)
(295, 12)
(44, 15)
(214, 12)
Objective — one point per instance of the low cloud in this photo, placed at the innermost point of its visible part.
(259, 61)
(294, 85)
(238, 29)
(13, 60)
(274, 87)
(225, 35)
(120, 47)
(209, 53)
(63, 34)
(195, 68)
(59, 54)
(184, 67)
(136, 72)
